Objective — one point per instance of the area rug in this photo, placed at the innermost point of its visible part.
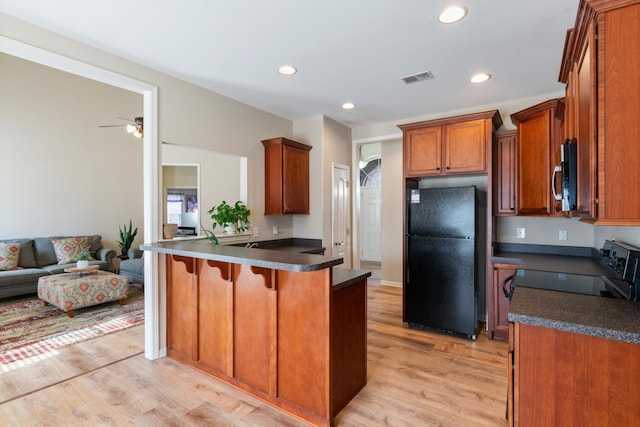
(28, 328)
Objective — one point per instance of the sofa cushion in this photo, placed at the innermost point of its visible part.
(27, 256)
(20, 277)
(67, 250)
(9, 256)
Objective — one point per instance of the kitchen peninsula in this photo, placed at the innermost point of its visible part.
(287, 328)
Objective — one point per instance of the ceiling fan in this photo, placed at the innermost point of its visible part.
(136, 127)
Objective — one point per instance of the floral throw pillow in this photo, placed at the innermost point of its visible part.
(67, 250)
(9, 254)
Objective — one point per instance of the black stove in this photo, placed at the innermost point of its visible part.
(621, 278)
(622, 263)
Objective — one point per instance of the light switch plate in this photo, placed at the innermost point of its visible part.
(256, 231)
(519, 232)
(563, 235)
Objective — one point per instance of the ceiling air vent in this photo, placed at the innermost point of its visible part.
(425, 75)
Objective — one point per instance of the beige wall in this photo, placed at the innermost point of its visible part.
(331, 142)
(59, 173)
(392, 214)
(188, 115)
(221, 176)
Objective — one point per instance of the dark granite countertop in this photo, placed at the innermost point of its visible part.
(343, 277)
(276, 259)
(611, 318)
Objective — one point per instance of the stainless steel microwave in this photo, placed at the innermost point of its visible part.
(568, 170)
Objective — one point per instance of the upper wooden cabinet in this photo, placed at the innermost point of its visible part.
(539, 136)
(286, 182)
(453, 145)
(599, 66)
(504, 172)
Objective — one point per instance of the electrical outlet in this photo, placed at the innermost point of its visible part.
(563, 235)
(275, 230)
(519, 232)
(256, 231)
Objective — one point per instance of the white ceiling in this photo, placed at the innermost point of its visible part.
(345, 50)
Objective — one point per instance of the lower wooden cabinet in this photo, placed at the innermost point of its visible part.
(568, 379)
(498, 325)
(288, 338)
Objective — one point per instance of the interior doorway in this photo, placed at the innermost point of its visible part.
(370, 194)
(182, 197)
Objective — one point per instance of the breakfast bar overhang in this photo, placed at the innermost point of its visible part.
(287, 328)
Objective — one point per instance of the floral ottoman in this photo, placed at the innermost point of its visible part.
(70, 291)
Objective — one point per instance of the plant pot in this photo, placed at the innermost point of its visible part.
(231, 229)
(169, 231)
(83, 263)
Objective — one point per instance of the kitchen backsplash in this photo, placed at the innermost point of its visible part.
(547, 231)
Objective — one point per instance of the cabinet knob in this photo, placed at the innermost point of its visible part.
(438, 169)
(448, 167)
(544, 208)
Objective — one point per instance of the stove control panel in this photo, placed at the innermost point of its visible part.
(622, 258)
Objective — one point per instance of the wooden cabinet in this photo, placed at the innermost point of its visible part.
(498, 325)
(199, 302)
(599, 66)
(504, 172)
(539, 135)
(286, 181)
(268, 332)
(182, 307)
(215, 308)
(255, 321)
(450, 146)
(566, 379)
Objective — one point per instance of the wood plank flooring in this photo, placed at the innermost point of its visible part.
(415, 378)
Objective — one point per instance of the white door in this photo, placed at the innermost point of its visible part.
(341, 214)
(371, 215)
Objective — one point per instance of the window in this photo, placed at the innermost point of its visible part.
(175, 207)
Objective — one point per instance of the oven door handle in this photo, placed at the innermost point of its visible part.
(507, 293)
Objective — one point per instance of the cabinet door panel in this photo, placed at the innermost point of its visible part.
(304, 341)
(182, 304)
(215, 315)
(254, 350)
(533, 165)
(586, 137)
(466, 147)
(423, 151)
(295, 182)
(500, 303)
(505, 173)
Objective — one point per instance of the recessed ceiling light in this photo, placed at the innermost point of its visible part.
(480, 77)
(287, 70)
(452, 14)
(348, 106)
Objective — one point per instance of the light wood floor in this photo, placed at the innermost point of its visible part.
(415, 378)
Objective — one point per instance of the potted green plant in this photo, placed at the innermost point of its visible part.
(231, 218)
(126, 237)
(82, 261)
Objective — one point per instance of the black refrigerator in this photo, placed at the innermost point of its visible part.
(442, 262)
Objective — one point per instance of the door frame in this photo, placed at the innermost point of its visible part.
(153, 325)
(348, 259)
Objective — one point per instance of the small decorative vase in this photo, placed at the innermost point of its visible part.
(169, 231)
(231, 229)
(83, 263)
